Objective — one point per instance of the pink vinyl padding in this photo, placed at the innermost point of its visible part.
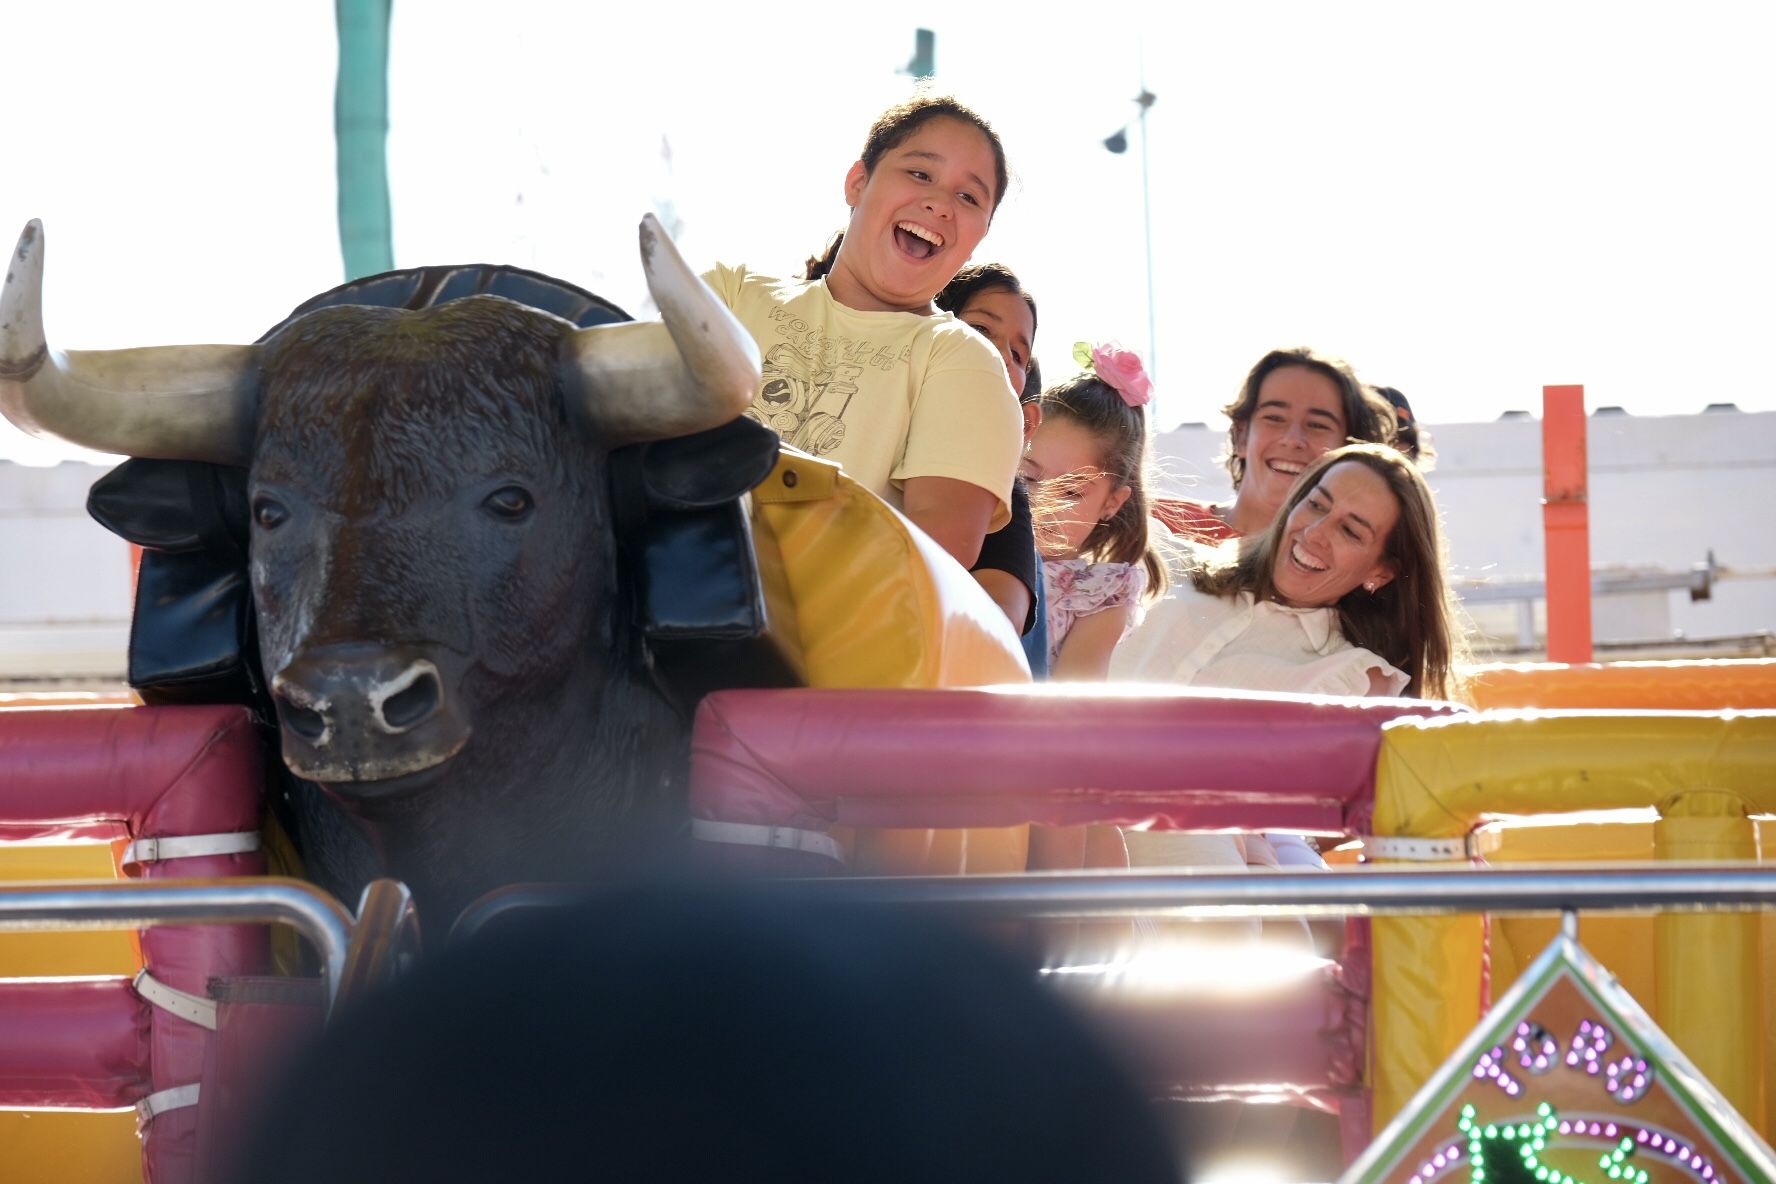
(1064, 755)
(79, 1044)
(135, 772)
(1058, 755)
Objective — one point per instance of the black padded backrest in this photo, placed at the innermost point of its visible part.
(424, 287)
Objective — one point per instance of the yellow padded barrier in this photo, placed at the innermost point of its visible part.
(1767, 844)
(69, 1147)
(1440, 778)
(859, 597)
(66, 1147)
(1621, 941)
(870, 600)
(1706, 685)
(31, 955)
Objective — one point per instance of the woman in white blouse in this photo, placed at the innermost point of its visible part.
(1343, 595)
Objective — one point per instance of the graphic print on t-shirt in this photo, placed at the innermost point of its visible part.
(803, 401)
(810, 379)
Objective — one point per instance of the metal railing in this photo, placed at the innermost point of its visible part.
(1357, 892)
(49, 907)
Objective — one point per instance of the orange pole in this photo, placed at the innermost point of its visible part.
(1566, 524)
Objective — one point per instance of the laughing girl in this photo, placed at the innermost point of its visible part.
(861, 368)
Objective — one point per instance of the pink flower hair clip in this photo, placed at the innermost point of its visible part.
(1119, 369)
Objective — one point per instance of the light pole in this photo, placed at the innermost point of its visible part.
(1117, 142)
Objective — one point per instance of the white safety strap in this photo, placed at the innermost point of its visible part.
(185, 846)
(1473, 845)
(159, 1102)
(183, 1004)
(753, 834)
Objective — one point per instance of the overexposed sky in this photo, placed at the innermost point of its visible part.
(1466, 201)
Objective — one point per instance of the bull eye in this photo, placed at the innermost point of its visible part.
(269, 513)
(510, 502)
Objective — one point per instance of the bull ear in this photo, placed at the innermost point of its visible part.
(655, 381)
(190, 402)
(709, 468)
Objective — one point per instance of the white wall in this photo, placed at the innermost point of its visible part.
(64, 579)
(1664, 492)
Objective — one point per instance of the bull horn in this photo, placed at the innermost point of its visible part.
(652, 381)
(187, 402)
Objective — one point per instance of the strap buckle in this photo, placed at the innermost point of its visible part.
(191, 1008)
(1476, 844)
(790, 838)
(161, 1101)
(150, 850)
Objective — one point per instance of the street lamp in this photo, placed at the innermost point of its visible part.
(1117, 143)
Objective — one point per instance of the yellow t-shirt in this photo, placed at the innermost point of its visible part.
(888, 395)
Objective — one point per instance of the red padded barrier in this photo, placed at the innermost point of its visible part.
(100, 772)
(72, 1044)
(1068, 754)
(146, 772)
(262, 1023)
(1054, 754)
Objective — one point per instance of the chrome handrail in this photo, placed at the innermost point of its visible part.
(111, 904)
(1356, 892)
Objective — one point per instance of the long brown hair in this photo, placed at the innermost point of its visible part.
(1367, 416)
(892, 129)
(1121, 432)
(1410, 620)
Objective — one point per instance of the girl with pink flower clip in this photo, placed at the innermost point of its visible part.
(1088, 463)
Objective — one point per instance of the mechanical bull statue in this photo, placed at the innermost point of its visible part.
(432, 553)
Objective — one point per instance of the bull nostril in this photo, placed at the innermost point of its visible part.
(414, 703)
(310, 725)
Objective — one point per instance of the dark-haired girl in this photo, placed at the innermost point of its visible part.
(859, 366)
(990, 299)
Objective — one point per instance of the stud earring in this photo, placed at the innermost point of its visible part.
(1369, 587)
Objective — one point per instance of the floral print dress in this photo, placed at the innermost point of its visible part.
(1079, 588)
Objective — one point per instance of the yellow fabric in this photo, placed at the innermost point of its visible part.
(1711, 1002)
(28, 955)
(1767, 974)
(888, 395)
(69, 1147)
(858, 597)
(1441, 778)
(66, 1147)
(1415, 960)
(1622, 942)
(1437, 777)
(1708, 685)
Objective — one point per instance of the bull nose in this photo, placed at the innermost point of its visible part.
(364, 712)
(406, 700)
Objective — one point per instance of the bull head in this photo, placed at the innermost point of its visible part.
(628, 383)
(378, 706)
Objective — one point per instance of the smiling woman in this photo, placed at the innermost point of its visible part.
(1294, 405)
(1344, 594)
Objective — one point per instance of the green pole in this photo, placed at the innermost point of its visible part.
(360, 129)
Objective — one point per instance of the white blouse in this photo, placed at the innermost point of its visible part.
(1236, 642)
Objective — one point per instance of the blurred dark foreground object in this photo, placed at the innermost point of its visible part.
(684, 1035)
